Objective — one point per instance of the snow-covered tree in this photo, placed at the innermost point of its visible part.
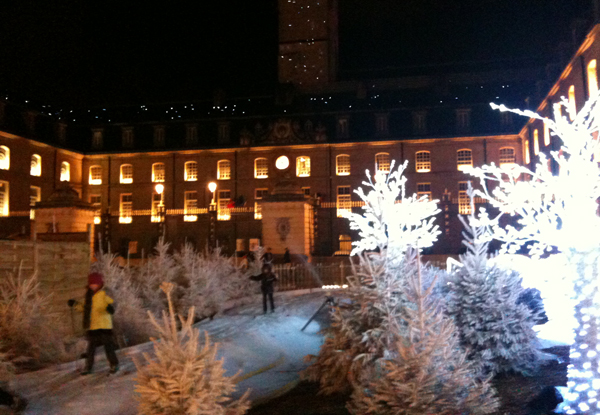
(425, 371)
(560, 212)
(483, 299)
(184, 377)
(158, 268)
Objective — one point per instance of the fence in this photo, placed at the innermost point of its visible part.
(296, 277)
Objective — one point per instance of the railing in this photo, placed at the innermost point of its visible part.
(304, 276)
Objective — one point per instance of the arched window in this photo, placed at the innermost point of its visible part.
(464, 159)
(592, 75)
(4, 198)
(546, 135)
(526, 151)
(423, 161)
(536, 142)
(158, 172)
(95, 175)
(345, 243)
(126, 173)
(191, 171)
(507, 156)
(65, 171)
(303, 166)
(342, 164)
(382, 162)
(4, 158)
(36, 165)
(572, 104)
(224, 170)
(261, 168)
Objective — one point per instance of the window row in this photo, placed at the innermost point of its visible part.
(36, 161)
(464, 159)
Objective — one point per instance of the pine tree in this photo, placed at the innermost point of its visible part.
(483, 301)
(158, 268)
(184, 378)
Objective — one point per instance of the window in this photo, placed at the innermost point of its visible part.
(423, 161)
(342, 127)
(126, 174)
(224, 170)
(303, 166)
(127, 137)
(157, 207)
(4, 158)
(65, 171)
(158, 172)
(592, 76)
(536, 142)
(557, 111)
(159, 136)
(223, 132)
(424, 189)
(191, 134)
(259, 194)
(572, 104)
(507, 156)
(464, 159)
(546, 135)
(464, 204)
(526, 151)
(419, 122)
(125, 208)
(342, 163)
(97, 139)
(261, 168)
(344, 201)
(345, 243)
(61, 132)
(36, 165)
(95, 175)
(223, 199)
(35, 195)
(240, 245)
(382, 162)
(253, 244)
(463, 119)
(306, 191)
(3, 198)
(190, 206)
(96, 201)
(381, 124)
(505, 119)
(191, 171)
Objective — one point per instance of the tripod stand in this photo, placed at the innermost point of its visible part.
(328, 301)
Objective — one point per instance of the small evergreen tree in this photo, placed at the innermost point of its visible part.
(494, 326)
(184, 378)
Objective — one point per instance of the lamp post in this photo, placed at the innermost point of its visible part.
(160, 188)
(212, 210)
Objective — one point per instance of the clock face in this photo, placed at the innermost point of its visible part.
(282, 162)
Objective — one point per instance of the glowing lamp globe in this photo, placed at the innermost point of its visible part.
(159, 188)
(282, 163)
(212, 186)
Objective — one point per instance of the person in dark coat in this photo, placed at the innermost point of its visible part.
(267, 278)
(267, 257)
(287, 258)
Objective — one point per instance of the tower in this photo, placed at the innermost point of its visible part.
(308, 42)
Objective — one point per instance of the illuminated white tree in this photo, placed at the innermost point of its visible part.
(559, 212)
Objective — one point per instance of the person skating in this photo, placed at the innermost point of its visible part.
(267, 278)
(97, 310)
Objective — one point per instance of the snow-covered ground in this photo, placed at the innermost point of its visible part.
(267, 349)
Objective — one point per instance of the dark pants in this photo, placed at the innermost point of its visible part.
(270, 295)
(101, 338)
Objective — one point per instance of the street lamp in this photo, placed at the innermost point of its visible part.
(160, 188)
(212, 186)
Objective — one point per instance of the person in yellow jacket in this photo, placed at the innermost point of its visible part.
(97, 310)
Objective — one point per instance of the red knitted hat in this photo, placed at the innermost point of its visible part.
(95, 278)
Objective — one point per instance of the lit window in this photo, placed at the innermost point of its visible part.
(342, 127)
(159, 136)
(96, 201)
(224, 170)
(342, 163)
(557, 111)
(157, 207)
(464, 159)
(507, 156)
(259, 194)
(345, 243)
(261, 168)
(95, 175)
(223, 200)
(127, 137)
(344, 201)
(303, 166)
(190, 207)
(424, 190)
(191, 171)
(536, 142)
(125, 208)
(3, 198)
(65, 171)
(592, 78)
(158, 172)
(35, 195)
(36, 165)
(253, 244)
(4, 158)
(546, 135)
(382, 162)
(423, 161)
(126, 173)
(526, 151)
(464, 204)
(572, 104)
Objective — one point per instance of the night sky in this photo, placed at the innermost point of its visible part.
(81, 53)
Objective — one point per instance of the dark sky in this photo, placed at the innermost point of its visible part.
(89, 53)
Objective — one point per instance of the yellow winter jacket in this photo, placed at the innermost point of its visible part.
(100, 318)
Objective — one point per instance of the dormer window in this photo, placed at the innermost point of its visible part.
(191, 134)
(342, 127)
(127, 137)
(463, 119)
(159, 136)
(381, 124)
(223, 133)
(420, 122)
(97, 139)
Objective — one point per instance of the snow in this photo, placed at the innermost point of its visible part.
(268, 348)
